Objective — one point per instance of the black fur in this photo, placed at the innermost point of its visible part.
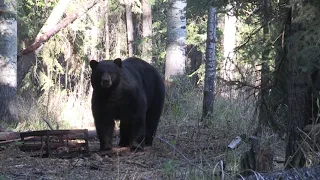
(133, 92)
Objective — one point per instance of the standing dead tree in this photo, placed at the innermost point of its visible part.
(210, 71)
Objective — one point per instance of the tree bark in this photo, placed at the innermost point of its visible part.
(278, 98)
(208, 93)
(297, 96)
(146, 31)
(106, 29)
(64, 23)
(176, 37)
(8, 61)
(130, 29)
(96, 34)
(264, 116)
(119, 38)
(54, 17)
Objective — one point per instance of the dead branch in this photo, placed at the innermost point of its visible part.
(237, 83)
(47, 122)
(179, 152)
(64, 23)
(137, 163)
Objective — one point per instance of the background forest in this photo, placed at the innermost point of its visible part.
(266, 82)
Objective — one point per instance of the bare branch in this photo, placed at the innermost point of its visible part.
(173, 147)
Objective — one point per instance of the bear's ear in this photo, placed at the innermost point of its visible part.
(118, 62)
(93, 64)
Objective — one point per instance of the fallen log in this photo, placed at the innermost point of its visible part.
(5, 136)
(8, 137)
(302, 173)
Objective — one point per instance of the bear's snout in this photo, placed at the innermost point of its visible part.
(106, 81)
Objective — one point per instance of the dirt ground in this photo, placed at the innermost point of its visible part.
(177, 154)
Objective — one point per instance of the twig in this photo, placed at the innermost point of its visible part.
(173, 147)
(48, 123)
(137, 163)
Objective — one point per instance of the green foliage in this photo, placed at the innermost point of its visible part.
(169, 170)
(3, 177)
(197, 33)
(31, 17)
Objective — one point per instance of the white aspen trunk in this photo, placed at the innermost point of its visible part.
(176, 37)
(106, 28)
(94, 33)
(210, 70)
(119, 39)
(8, 61)
(229, 43)
(81, 92)
(130, 28)
(146, 31)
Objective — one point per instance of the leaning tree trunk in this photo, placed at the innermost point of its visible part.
(146, 31)
(208, 93)
(8, 61)
(176, 37)
(130, 31)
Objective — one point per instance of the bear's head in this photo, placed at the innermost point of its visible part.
(105, 74)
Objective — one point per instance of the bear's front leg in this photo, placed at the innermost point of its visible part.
(105, 130)
(138, 132)
(125, 133)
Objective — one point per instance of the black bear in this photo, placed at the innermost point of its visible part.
(131, 91)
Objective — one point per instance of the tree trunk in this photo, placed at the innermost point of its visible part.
(130, 28)
(106, 29)
(54, 17)
(8, 61)
(176, 37)
(297, 96)
(229, 43)
(119, 38)
(146, 31)
(95, 34)
(264, 116)
(208, 94)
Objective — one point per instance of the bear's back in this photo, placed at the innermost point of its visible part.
(141, 69)
(144, 75)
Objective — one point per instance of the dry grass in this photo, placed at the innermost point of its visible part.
(184, 147)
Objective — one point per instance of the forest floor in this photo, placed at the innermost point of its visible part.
(186, 153)
(184, 148)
